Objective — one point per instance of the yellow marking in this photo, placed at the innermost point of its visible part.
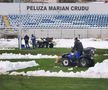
(7, 23)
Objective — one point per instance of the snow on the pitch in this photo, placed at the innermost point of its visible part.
(8, 43)
(10, 66)
(90, 42)
(68, 43)
(100, 70)
(26, 56)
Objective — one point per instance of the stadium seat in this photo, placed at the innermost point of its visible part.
(60, 21)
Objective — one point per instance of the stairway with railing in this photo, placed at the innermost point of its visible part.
(7, 23)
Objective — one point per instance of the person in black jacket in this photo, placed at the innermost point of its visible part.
(26, 39)
(78, 47)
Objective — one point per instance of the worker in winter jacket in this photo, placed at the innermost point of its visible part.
(26, 39)
(78, 47)
(33, 39)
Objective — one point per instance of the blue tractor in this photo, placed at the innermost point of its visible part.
(84, 60)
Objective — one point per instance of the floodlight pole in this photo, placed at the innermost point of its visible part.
(19, 36)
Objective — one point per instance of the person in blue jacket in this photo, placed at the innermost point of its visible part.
(33, 39)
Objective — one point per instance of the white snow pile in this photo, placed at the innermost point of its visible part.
(89, 42)
(10, 66)
(100, 70)
(67, 43)
(8, 43)
(26, 56)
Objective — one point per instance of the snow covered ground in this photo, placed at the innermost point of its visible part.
(27, 56)
(68, 43)
(98, 71)
(91, 42)
(10, 66)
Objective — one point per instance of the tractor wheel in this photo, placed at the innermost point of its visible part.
(66, 62)
(84, 62)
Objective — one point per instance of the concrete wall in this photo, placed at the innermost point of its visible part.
(43, 8)
(71, 33)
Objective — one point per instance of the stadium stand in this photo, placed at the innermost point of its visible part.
(55, 21)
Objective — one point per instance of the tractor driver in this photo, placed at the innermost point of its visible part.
(78, 48)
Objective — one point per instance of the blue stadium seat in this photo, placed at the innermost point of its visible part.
(60, 21)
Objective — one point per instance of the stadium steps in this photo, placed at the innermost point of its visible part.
(7, 23)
